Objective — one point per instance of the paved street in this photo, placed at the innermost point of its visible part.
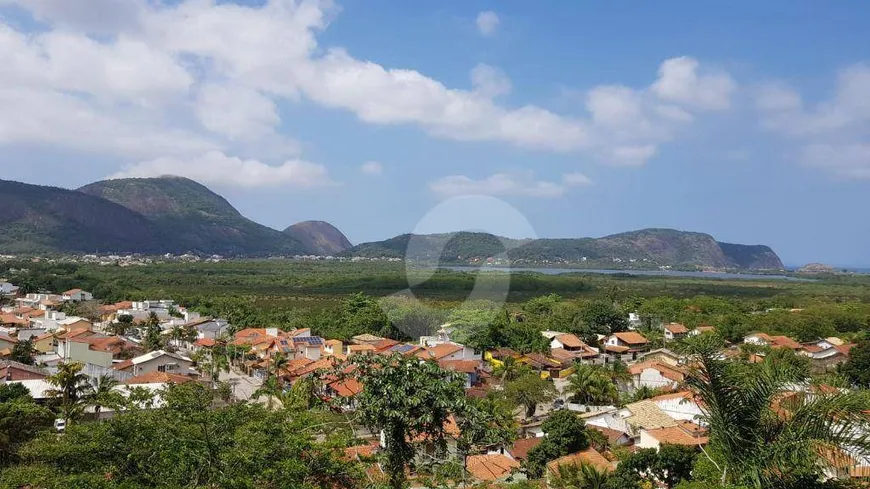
(243, 386)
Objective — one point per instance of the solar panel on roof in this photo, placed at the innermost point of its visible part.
(310, 340)
(402, 348)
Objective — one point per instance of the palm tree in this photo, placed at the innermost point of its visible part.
(578, 476)
(510, 369)
(103, 394)
(764, 430)
(592, 385)
(72, 388)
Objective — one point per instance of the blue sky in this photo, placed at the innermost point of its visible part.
(747, 120)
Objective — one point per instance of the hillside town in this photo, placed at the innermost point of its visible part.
(630, 391)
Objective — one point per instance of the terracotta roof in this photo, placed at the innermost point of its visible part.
(384, 344)
(5, 337)
(206, 342)
(451, 429)
(667, 371)
(367, 450)
(11, 319)
(124, 304)
(347, 387)
(589, 456)
(438, 352)
(686, 434)
(158, 378)
(612, 435)
(813, 348)
(465, 366)
(676, 328)
(72, 291)
(785, 342)
(123, 365)
(616, 348)
(4, 364)
(490, 467)
(334, 342)
(504, 352)
(673, 395)
(521, 447)
(631, 338)
(570, 340)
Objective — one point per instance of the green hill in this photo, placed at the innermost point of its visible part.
(41, 219)
(194, 218)
(319, 237)
(650, 247)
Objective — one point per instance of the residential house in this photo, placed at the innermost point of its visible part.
(493, 467)
(683, 433)
(519, 451)
(675, 331)
(763, 339)
(656, 375)
(77, 295)
(644, 415)
(7, 342)
(825, 355)
(547, 366)
(7, 289)
(157, 361)
(681, 406)
(497, 356)
(663, 355)
(443, 335)
(88, 347)
(615, 438)
(571, 343)
(11, 321)
(44, 343)
(471, 369)
(448, 351)
(702, 329)
(626, 342)
(12, 371)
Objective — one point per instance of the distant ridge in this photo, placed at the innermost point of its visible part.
(650, 247)
(172, 214)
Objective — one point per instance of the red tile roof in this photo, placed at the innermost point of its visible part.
(687, 433)
(204, 342)
(347, 387)
(521, 447)
(631, 338)
(490, 467)
(676, 328)
(465, 366)
(570, 340)
(667, 371)
(439, 351)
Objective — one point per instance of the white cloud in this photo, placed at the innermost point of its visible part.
(832, 134)
(216, 168)
(371, 168)
(576, 179)
(198, 75)
(490, 81)
(680, 82)
(487, 22)
(517, 184)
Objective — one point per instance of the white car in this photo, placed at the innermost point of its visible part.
(60, 424)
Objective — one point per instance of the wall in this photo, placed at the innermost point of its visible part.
(81, 352)
(155, 364)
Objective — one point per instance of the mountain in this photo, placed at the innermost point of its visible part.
(193, 217)
(319, 237)
(40, 219)
(647, 246)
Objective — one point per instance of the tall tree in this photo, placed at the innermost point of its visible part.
(23, 352)
(592, 385)
(103, 394)
(762, 431)
(71, 390)
(530, 390)
(407, 400)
